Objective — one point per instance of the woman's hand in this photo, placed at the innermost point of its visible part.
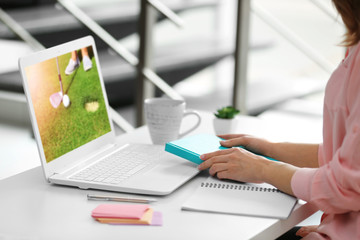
(236, 164)
(251, 143)
(241, 165)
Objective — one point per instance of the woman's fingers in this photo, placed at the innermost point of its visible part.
(230, 136)
(213, 157)
(217, 168)
(206, 156)
(226, 164)
(224, 175)
(220, 156)
(235, 140)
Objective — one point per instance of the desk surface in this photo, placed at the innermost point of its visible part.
(33, 209)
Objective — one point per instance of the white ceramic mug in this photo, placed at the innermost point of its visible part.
(163, 117)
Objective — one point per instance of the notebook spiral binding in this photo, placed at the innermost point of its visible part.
(238, 187)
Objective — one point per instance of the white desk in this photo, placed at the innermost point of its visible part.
(32, 209)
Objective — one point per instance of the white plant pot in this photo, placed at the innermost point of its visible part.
(225, 126)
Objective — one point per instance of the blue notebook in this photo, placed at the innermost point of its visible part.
(192, 147)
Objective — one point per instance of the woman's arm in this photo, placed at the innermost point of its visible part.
(241, 165)
(297, 154)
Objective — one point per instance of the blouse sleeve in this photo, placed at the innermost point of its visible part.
(335, 186)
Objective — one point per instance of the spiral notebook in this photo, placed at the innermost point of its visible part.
(249, 199)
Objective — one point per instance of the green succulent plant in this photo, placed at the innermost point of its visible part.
(228, 112)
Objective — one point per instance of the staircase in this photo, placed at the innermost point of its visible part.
(173, 62)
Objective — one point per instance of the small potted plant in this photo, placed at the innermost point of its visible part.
(225, 121)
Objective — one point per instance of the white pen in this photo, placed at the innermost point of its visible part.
(120, 199)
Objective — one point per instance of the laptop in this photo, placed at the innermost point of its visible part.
(75, 136)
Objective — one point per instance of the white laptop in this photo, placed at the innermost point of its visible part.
(74, 133)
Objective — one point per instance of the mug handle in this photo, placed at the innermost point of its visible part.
(187, 113)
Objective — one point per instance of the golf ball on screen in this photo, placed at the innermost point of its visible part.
(66, 101)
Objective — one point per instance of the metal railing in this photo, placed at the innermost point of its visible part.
(241, 56)
(324, 8)
(292, 38)
(146, 77)
(19, 31)
(242, 41)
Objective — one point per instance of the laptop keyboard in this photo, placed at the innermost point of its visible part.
(120, 165)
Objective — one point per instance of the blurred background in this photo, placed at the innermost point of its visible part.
(284, 83)
(292, 48)
(197, 60)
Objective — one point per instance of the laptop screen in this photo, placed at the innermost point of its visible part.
(68, 101)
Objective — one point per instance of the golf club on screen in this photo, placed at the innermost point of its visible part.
(58, 97)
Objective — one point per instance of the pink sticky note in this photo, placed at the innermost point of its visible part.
(119, 211)
(156, 221)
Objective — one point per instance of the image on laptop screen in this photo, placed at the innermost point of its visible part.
(68, 101)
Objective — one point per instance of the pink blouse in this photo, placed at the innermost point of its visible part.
(334, 187)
